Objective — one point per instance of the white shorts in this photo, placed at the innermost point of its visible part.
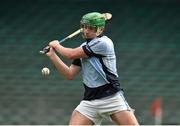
(98, 109)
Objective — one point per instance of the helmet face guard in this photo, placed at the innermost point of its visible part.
(86, 26)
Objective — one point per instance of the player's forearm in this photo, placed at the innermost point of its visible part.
(61, 66)
(66, 52)
(69, 53)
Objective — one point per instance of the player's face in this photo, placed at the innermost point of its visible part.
(88, 32)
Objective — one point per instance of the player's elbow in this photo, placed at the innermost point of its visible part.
(70, 57)
(69, 77)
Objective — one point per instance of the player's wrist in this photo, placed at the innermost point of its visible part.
(51, 54)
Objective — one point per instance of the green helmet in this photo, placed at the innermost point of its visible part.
(93, 19)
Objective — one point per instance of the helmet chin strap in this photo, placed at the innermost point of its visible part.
(99, 31)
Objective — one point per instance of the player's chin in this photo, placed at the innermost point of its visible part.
(86, 36)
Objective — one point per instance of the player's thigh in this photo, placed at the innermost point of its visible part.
(124, 118)
(78, 119)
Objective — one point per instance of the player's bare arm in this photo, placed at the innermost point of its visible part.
(70, 53)
(68, 72)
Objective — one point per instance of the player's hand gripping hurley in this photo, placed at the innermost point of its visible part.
(107, 16)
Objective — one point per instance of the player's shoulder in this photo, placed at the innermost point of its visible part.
(103, 40)
(106, 41)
